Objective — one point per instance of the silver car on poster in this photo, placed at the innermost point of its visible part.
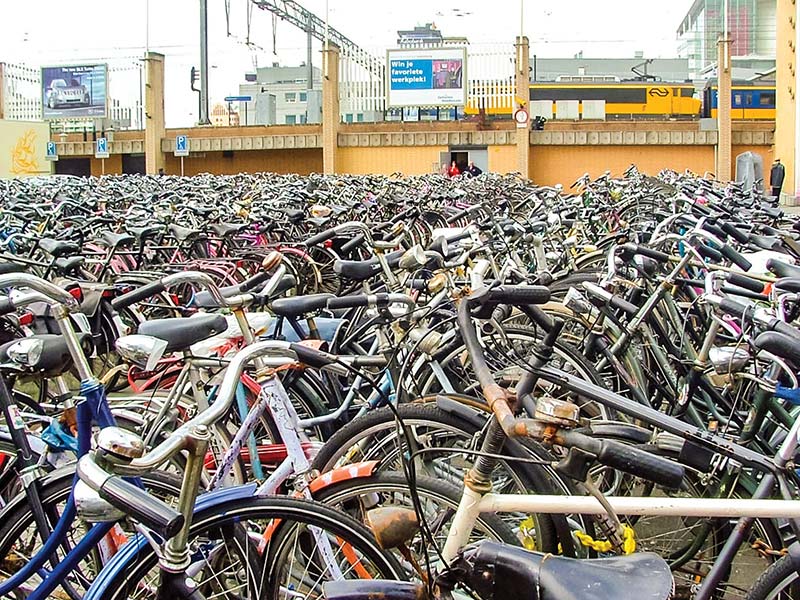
(61, 92)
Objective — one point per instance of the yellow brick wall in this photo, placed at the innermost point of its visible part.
(408, 160)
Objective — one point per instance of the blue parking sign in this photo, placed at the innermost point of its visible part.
(52, 151)
(181, 145)
(101, 148)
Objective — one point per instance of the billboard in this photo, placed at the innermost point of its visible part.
(426, 77)
(74, 92)
(23, 147)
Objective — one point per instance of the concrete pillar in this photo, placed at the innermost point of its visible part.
(522, 96)
(785, 93)
(330, 108)
(724, 109)
(154, 128)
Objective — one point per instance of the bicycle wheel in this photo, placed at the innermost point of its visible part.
(438, 501)
(781, 581)
(19, 539)
(375, 436)
(266, 548)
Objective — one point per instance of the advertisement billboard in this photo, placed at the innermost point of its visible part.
(426, 77)
(74, 92)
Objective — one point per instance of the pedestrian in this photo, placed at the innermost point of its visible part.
(473, 169)
(443, 170)
(776, 176)
(454, 170)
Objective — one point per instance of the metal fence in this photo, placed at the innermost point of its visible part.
(22, 95)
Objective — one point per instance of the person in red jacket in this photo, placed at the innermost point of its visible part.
(454, 170)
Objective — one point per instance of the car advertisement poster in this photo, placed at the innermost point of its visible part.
(74, 92)
(426, 77)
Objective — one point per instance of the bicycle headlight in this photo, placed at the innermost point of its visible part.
(26, 351)
(142, 350)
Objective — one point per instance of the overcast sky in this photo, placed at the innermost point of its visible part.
(63, 31)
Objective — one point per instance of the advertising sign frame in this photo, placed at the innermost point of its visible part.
(55, 103)
(426, 77)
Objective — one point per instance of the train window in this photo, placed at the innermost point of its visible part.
(767, 99)
(737, 99)
(748, 100)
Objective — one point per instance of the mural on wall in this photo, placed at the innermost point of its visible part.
(23, 148)
(23, 155)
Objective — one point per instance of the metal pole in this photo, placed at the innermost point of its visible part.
(204, 120)
(181, 166)
(310, 82)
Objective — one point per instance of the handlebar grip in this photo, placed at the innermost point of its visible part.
(710, 253)
(736, 258)
(354, 243)
(139, 294)
(6, 306)
(254, 281)
(311, 356)
(784, 328)
(519, 294)
(733, 308)
(143, 507)
(656, 255)
(348, 302)
(748, 283)
(736, 233)
(640, 463)
(320, 237)
(716, 231)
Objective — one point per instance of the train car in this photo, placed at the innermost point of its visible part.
(623, 99)
(748, 102)
(626, 100)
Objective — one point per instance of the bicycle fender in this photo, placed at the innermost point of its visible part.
(127, 555)
(347, 472)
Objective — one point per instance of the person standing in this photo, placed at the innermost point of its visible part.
(473, 169)
(776, 177)
(454, 170)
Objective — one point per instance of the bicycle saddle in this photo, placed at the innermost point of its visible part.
(501, 571)
(183, 233)
(182, 333)
(297, 306)
(783, 346)
(361, 270)
(117, 239)
(69, 265)
(58, 248)
(782, 269)
(225, 229)
(148, 232)
(11, 267)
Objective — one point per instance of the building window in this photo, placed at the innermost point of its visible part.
(360, 117)
(291, 119)
(348, 118)
(303, 119)
(303, 96)
(290, 97)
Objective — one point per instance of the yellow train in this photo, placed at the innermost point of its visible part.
(637, 100)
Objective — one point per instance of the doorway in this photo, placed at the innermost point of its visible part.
(463, 156)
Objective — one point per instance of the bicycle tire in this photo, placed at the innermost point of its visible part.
(123, 580)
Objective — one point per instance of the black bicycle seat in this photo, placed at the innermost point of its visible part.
(58, 248)
(783, 346)
(297, 306)
(361, 270)
(181, 333)
(514, 572)
(782, 269)
(117, 239)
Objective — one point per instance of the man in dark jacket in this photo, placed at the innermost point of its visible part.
(473, 169)
(776, 176)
